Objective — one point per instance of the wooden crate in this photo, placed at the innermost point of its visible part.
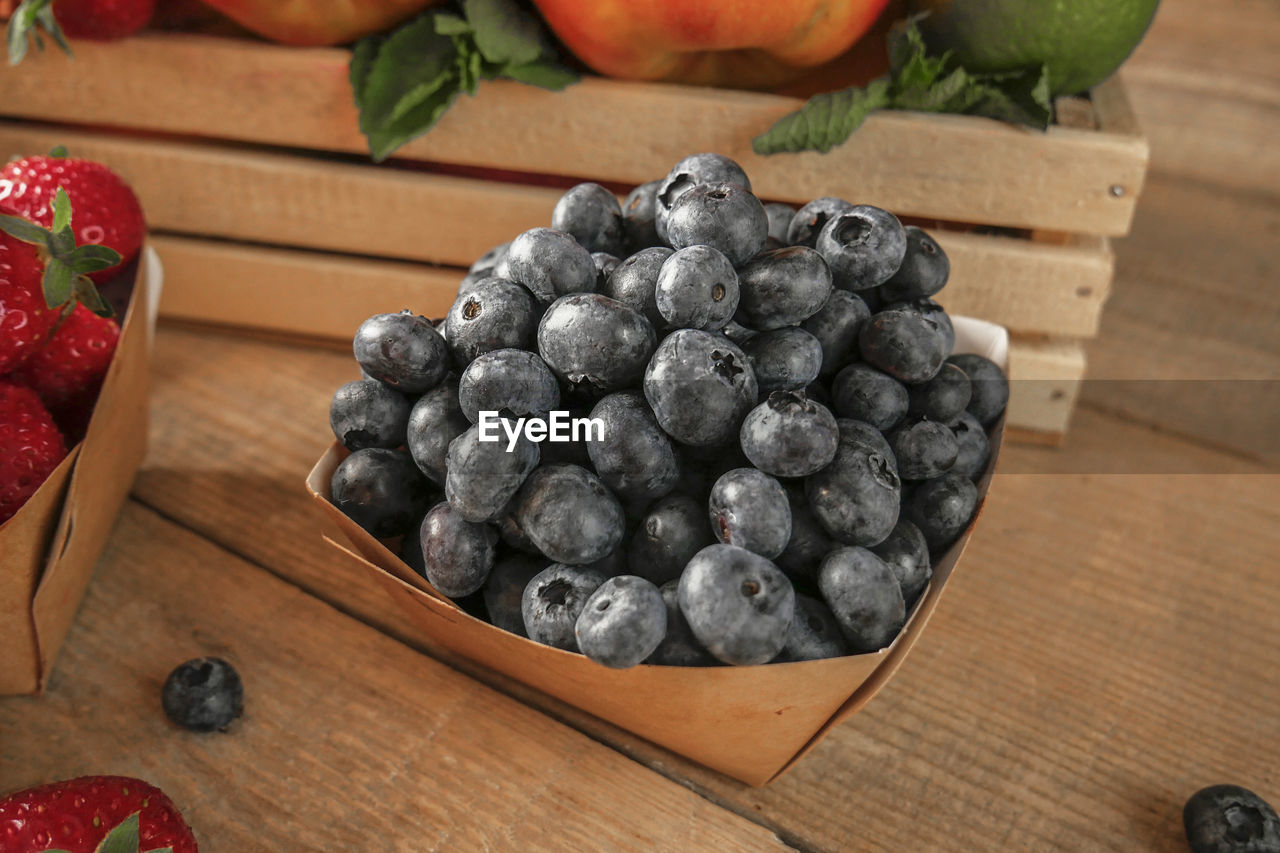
(268, 213)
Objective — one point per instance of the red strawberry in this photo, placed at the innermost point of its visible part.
(30, 448)
(107, 212)
(25, 319)
(68, 370)
(76, 815)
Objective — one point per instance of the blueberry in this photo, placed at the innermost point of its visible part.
(748, 508)
(510, 381)
(494, 314)
(784, 359)
(594, 341)
(468, 284)
(856, 496)
(908, 346)
(863, 435)
(697, 289)
(679, 647)
(367, 413)
(738, 333)
(569, 514)
(836, 326)
(932, 310)
(865, 597)
(726, 217)
(814, 633)
(789, 435)
(779, 216)
(635, 458)
(973, 448)
(923, 272)
(924, 449)
(809, 220)
(488, 262)
(637, 217)
(504, 590)
(943, 398)
(863, 245)
(513, 535)
(634, 282)
(863, 393)
(381, 490)
(700, 386)
(402, 350)
(435, 420)
(809, 541)
(622, 623)
(942, 508)
(552, 602)
(990, 388)
(605, 264)
(670, 533)
(411, 549)
(738, 604)
(692, 171)
(203, 695)
(907, 554)
(591, 214)
(1230, 819)
(458, 554)
(611, 565)
(483, 476)
(551, 264)
(783, 287)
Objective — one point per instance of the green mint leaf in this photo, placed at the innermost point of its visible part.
(27, 232)
(954, 93)
(123, 838)
(1016, 97)
(61, 211)
(57, 283)
(469, 64)
(909, 61)
(546, 75)
(825, 120)
(505, 33)
(449, 24)
(422, 117)
(161, 850)
(366, 51)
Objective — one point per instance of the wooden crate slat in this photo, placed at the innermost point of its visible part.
(220, 191)
(947, 167)
(1045, 376)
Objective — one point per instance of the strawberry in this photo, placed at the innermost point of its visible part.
(68, 370)
(101, 20)
(107, 211)
(76, 816)
(25, 319)
(30, 447)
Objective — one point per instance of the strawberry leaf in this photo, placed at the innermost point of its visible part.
(92, 258)
(29, 19)
(61, 211)
(123, 838)
(59, 152)
(27, 232)
(57, 283)
(88, 295)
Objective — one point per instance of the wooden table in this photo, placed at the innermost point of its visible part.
(1110, 644)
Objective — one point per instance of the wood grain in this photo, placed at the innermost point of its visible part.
(348, 736)
(947, 167)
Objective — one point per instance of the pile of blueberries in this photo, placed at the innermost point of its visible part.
(787, 438)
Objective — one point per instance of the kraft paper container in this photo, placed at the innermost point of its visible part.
(48, 550)
(751, 723)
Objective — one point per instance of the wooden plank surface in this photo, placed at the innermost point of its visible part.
(947, 167)
(350, 741)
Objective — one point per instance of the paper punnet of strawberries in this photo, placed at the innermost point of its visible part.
(66, 226)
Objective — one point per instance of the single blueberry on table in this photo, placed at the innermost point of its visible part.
(511, 381)
(1230, 819)
(836, 326)
(943, 398)
(366, 413)
(748, 508)
(864, 247)
(381, 490)
(973, 448)
(864, 594)
(482, 476)
(696, 289)
(634, 282)
(569, 514)
(672, 530)
(990, 388)
(638, 211)
(908, 346)
(783, 287)
(700, 386)
(923, 272)
(591, 340)
(635, 458)
(504, 590)
(814, 633)
(402, 350)
(930, 309)
(435, 420)
(550, 264)
(907, 554)
(856, 497)
(783, 359)
(203, 695)
(622, 623)
(457, 554)
(808, 221)
(779, 216)
(942, 508)
(591, 215)
(724, 216)
(694, 170)
(924, 449)
(738, 604)
(789, 435)
(552, 602)
(494, 314)
(679, 647)
(863, 393)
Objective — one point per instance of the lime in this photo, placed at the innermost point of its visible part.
(1081, 41)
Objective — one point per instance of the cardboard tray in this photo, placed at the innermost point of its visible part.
(49, 548)
(751, 723)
